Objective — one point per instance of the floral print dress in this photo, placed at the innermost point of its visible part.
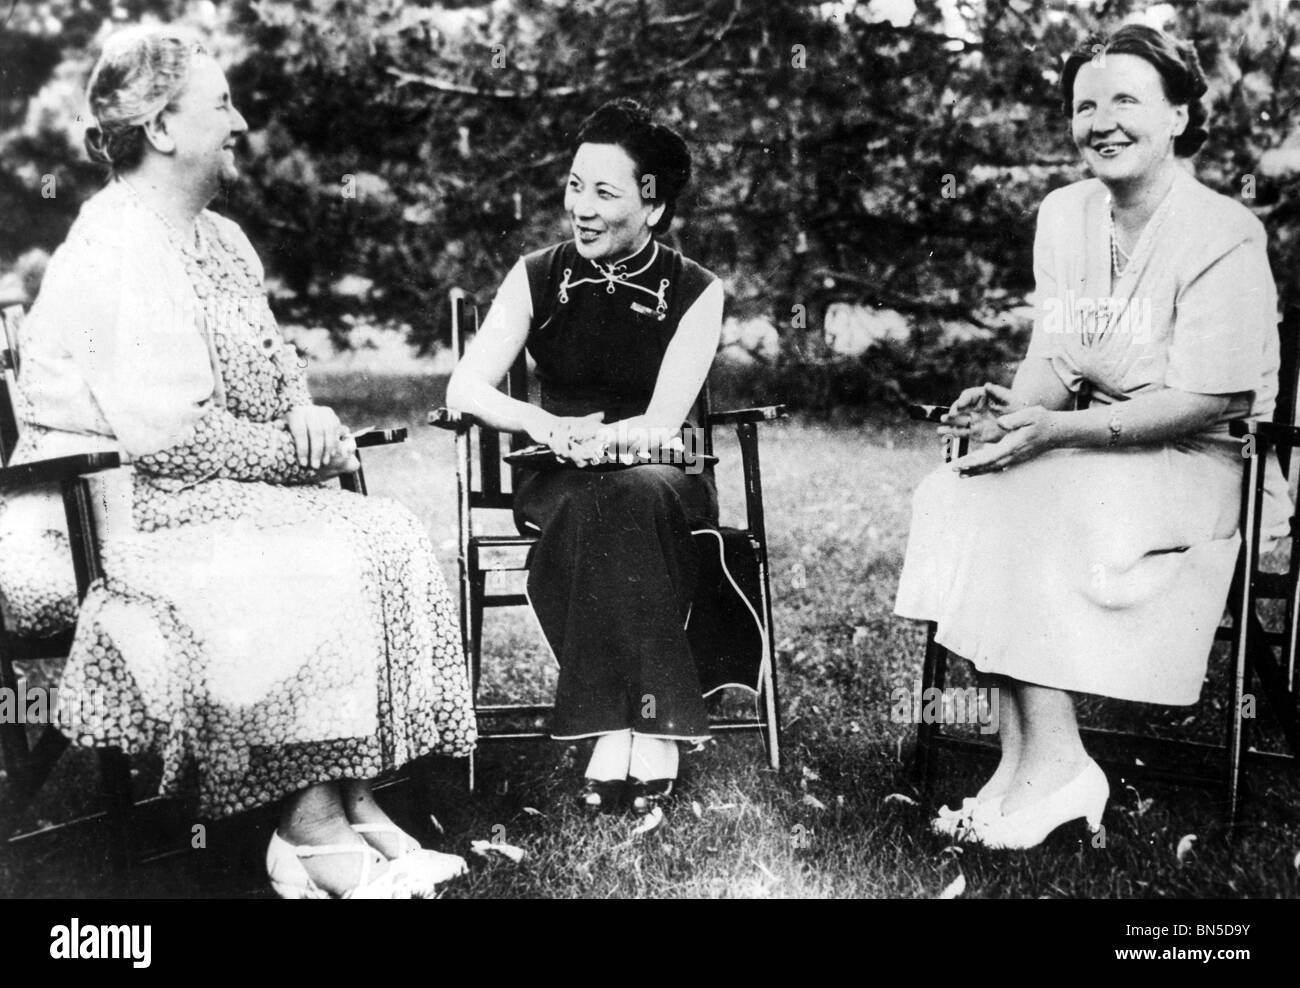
(261, 631)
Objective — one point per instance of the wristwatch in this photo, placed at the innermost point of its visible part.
(1116, 427)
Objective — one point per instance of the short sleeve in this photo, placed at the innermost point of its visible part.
(1221, 321)
(1051, 320)
(130, 324)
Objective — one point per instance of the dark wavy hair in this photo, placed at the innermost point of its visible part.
(1176, 61)
(656, 150)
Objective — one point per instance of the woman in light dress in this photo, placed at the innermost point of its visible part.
(1091, 551)
(271, 636)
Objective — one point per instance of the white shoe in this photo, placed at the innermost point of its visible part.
(957, 823)
(425, 868)
(1083, 796)
(290, 880)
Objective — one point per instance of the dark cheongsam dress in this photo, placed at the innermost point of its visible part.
(614, 570)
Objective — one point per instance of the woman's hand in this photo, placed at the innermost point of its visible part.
(976, 412)
(343, 461)
(317, 434)
(572, 438)
(1026, 433)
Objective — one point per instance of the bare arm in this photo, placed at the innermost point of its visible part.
(1149, 418)
(474, 385)
(1036, 383)
(1156, 417)
(685, 366)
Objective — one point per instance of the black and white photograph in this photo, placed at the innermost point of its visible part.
(651, 449)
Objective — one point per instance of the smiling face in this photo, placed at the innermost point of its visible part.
(1122, 122)
(202, 127)
(603, 201)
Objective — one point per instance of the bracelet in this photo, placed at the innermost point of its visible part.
(1116, 428)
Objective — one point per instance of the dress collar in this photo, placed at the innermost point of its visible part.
(621, 274)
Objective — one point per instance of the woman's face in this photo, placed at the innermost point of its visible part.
(603, 200)
(1122, 122)
(203, 126)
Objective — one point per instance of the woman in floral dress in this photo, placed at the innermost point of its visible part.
(270, 635)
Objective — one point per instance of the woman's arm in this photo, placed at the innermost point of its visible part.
(221, 445)
(473, 388)
(1037, 383)
(684, 369)
(1159, 416)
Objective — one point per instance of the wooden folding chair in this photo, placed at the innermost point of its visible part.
(480, 488)
(28, 762)
(1259, 654)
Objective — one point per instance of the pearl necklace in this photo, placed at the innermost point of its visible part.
(1117, 269)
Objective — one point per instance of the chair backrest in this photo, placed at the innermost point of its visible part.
(10, 317)
(489, 491)
(1288, 377)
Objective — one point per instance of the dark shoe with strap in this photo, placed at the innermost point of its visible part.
(649, 793)
(597, 796)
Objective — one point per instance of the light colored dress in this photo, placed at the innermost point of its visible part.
(1106, 571)
(260, 631)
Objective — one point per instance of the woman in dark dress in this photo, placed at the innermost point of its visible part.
(623, 330)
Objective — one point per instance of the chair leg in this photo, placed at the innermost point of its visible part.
(115, 773)
(769, 697)
(477, 589)
(13, 735)
(934, 672)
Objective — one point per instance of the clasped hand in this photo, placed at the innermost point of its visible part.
(577, 439)
(321, 442)
(588, 440)
(1011, 431)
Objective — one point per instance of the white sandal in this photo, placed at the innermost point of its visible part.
(426, 868)
(290, 880)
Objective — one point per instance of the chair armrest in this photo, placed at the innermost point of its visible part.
(450, 419)
(766, 413)
(381, 437)
(56, 470)
(1271, 432)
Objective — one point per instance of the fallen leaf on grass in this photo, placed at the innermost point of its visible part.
(697, 809)
(811, 800)
(955, 888)
(1185, 847)
(898, 797)
(485, 848)
(1144, 805)
(533, 811)
(810, 775)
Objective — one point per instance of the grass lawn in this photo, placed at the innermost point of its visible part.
(843, 817)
